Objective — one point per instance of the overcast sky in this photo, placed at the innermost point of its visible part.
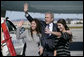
(14, 15)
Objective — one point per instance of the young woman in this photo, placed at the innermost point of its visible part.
(31, 37)
(64, 39)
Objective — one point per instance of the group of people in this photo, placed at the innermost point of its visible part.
(45, 38)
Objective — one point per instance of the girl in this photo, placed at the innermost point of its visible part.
(64, 40)
(31, 37)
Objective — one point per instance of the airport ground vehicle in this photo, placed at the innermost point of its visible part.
(9, 41)
(7, 38)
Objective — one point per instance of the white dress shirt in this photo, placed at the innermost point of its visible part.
(51, 27)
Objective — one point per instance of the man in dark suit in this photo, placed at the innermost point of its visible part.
(49, 32)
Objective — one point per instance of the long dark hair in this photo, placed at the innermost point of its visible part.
(38, 26)
(63, 22)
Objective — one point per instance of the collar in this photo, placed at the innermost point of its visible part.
(50, 24)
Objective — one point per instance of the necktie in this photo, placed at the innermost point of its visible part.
(47, 27)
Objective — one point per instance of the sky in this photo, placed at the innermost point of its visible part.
(15, 15)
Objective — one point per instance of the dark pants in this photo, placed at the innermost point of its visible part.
(24, 49)
(48, 53)
(1, 54)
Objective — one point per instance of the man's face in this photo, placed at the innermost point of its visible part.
(48, 18)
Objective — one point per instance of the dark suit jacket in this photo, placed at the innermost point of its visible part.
(47, 42)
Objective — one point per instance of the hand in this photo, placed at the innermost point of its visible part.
(25, 7)
(20, 23)
(68, 31)
(55, 52)
(47, 31)
(41, 51)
